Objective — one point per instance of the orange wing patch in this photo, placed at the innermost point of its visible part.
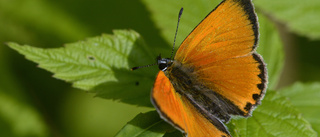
(237, 80)
(179, 112)
(225, 33)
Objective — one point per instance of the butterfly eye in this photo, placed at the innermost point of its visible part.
(163, 66)
(164, 63)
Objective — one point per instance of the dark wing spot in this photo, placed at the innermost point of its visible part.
(248, 106)
(255, 96)
(263, 73)
(260, 86)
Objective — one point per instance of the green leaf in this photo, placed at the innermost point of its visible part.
(101, 65)
(305, 97)
(42, 16)
(301, 17)
(145, 125)
(274, 117)
(19, 119)
(271, 49)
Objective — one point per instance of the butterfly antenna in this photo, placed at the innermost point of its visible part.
(134, 68)
(174, 41)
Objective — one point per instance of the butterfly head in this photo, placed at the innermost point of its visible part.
(163, 63)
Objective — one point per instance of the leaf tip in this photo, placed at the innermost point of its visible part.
(10, 44)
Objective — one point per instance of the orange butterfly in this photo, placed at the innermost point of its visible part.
(215, 73)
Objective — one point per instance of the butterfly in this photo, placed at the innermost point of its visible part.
(215, 73)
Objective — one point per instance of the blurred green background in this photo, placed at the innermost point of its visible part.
(32, 103)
